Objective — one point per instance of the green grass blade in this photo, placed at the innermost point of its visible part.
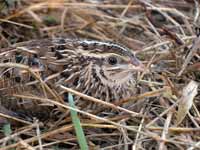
(7, 132)
(77, 125)
(7, 129)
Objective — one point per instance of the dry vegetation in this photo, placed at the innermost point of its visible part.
(166, 113)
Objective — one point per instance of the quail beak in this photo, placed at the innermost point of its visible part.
(136, 65)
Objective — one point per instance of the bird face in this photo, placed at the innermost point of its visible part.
(114, 65)
(118, 69)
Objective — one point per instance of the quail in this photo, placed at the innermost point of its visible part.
(103, 70)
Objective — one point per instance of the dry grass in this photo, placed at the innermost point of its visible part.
(163, 35)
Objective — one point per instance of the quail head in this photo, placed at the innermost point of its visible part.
(103, 70)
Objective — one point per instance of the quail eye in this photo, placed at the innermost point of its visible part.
(112, 60)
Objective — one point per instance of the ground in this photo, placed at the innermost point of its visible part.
(164, 34)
